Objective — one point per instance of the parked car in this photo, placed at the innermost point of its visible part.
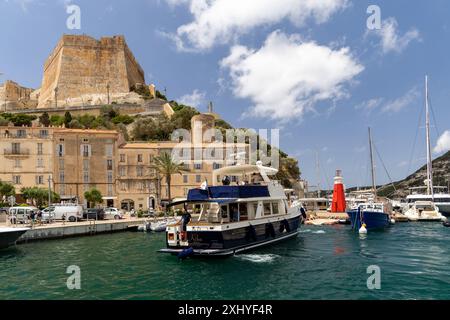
(22, 214)
(94, 213)
(113, 213)
(68, 212)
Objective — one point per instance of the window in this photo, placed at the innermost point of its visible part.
(197, 166)
(60, 150)
(185, 179)
(16, 180)
(139, 158)
(86, 177)
(86, 150)
(243, 213)
(139, 171)
(61, 177)
(40, 180)
(216, 166)
(40, 163)
(43, 133)
(17, 163)
(122, 171)
(15, 148)
(122, 157)
(275, 208)
(109, 164)
(123, 186)
(110, 177)
(85, 164)
(110, 190)
(267, 209)
(21, 133)
(39, 149)
(61, 164)
(62, 190)
(198, 178)
(140, 186)
(150, 158)
(109, 150)
(186, 166)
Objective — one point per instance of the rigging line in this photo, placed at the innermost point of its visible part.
(434, 118)
(415, 142)
(384, 166)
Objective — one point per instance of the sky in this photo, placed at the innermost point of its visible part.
(321, 72)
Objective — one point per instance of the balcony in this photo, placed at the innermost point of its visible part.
(11, 153)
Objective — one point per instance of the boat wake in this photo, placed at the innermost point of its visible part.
(258, 258)
(318, 232)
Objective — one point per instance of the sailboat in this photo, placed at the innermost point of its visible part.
(371, 214)
(423, 207)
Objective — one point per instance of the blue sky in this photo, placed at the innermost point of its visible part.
(312, 69)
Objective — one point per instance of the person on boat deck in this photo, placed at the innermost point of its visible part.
(234, 213)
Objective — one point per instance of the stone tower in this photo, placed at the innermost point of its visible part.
(83, 66)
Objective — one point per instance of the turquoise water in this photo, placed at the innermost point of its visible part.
(321, 263)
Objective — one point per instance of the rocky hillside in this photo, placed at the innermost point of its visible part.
(441, 172)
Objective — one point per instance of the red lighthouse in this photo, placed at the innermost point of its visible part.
(338, 204)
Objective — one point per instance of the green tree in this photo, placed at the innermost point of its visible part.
(20, 119)
(3, 122)
(39, 196)
(56, 120)
(93, 197)
(6, 189)
(67, 119)
(44, 119)
(166, 167)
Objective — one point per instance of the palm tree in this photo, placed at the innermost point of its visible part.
(166, 167)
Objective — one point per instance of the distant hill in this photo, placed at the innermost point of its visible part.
(441, 172)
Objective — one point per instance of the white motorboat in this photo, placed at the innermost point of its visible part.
(234, 218)
(9, 236)
(423, 211)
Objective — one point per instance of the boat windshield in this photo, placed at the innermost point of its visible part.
(425, 207)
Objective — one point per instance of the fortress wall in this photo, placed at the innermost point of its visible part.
(81, 65)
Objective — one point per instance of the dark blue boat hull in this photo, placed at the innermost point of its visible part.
(372, 219)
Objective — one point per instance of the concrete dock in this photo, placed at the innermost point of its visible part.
(58, 230)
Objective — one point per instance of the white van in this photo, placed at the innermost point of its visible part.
(68, 212)
(21, 214)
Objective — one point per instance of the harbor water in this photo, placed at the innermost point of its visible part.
(321, 263)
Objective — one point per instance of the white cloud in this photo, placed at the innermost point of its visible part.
(402, 102)
(369, 105)
(195, 99)
(391, 40)
(443, 143)
(219, 21)
(287, 76)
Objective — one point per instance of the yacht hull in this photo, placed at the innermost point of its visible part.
(9, 236)
(240, 239)
(372, 219)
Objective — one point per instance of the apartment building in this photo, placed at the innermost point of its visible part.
(26, 156)
(76, 160)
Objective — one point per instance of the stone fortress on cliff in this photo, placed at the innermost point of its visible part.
(82, 74)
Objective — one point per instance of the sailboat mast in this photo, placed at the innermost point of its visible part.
(318, 174)
(372, 165)
(429, 159)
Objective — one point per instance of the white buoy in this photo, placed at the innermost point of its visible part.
(392, 221)
(363, 229)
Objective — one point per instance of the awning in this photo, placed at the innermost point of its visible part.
(218, 201)
(109, 198)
